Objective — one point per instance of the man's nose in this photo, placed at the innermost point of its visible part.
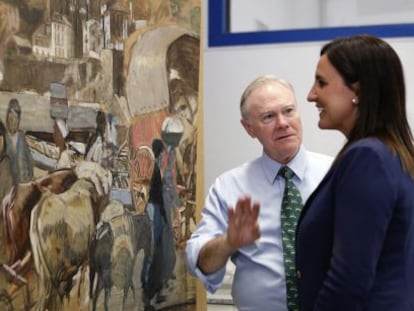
(281, 121)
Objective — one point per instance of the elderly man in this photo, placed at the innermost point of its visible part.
(251, 233)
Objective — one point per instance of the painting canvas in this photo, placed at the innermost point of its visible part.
(99, 110)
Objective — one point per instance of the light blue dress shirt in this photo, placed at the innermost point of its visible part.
(259, 279)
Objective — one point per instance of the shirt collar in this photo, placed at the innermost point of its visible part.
(297, 165)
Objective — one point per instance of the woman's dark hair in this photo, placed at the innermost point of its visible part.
(371, 67)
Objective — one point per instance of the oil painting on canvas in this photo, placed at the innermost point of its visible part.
(98, 137)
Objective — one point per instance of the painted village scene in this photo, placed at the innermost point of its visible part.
(98, 139)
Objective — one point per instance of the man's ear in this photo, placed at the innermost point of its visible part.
(248, 127)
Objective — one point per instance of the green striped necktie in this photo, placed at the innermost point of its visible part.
(289, 215)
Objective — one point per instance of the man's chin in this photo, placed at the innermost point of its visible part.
(287, 152)
(292, 141)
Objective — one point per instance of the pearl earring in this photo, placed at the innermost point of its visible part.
(354, 101)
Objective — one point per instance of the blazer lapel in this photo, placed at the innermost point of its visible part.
(314, 193)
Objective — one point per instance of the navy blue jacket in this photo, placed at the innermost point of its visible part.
(355, 237)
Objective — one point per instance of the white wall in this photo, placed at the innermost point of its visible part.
(227, 71)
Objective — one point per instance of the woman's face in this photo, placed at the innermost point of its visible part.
(336, 102)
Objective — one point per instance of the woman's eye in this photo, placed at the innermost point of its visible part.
(320, 82)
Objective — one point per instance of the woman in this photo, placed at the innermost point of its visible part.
(355, 237)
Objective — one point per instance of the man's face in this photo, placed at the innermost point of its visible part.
(272, 117)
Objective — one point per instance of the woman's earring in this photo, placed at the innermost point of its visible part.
(354, 101)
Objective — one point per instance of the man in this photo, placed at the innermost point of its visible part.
(250, 233)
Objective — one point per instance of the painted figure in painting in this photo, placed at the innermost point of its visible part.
(17, 149)
(158, 268)
(98, 149)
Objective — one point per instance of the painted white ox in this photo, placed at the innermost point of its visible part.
(61, 230)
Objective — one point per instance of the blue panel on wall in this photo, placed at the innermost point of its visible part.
(219, 35)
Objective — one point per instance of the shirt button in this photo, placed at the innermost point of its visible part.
(298, 274)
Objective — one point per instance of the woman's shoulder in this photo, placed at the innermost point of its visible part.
(370, 149)
(369, 143)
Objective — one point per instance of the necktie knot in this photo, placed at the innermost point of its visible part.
(286, 172)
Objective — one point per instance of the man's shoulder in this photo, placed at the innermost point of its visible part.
(319, 157)
(241, 168)
(318, 162)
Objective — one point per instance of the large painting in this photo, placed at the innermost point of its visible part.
(98, 137)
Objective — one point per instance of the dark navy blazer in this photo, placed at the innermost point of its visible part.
(355, 237)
